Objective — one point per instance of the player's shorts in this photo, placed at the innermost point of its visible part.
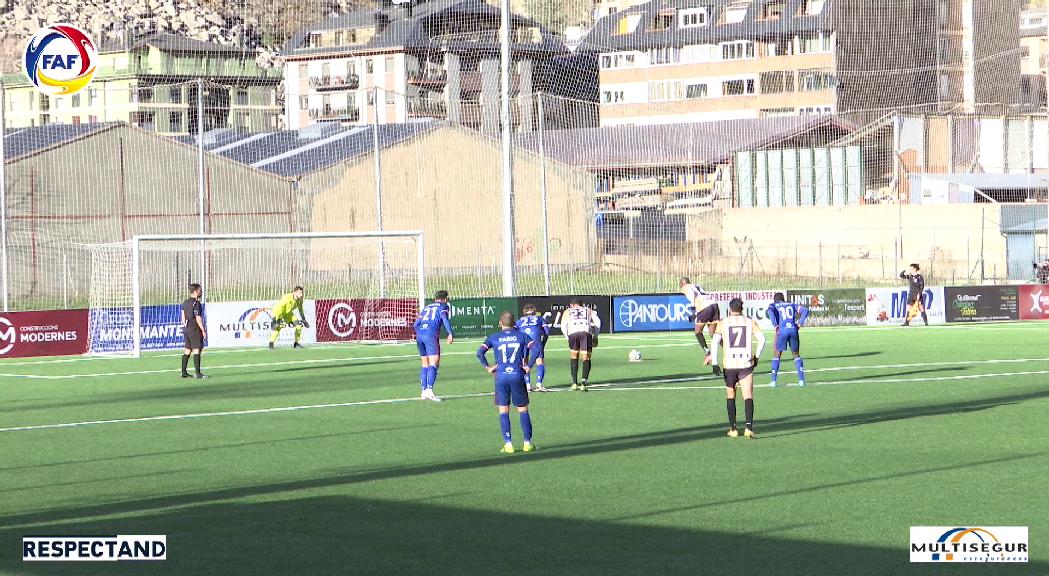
(912, 298)
(194, 339)
(511, 388)
(733, 376)
(538, 350)
(581, 342)
(788, 338)
(709, 314)
(428, 345)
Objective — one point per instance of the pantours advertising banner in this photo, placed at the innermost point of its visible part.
(1033, 302)
(651, 313)
(981, 303)
(46, 333)
(888, 306)
(348, 320)
(249, 324)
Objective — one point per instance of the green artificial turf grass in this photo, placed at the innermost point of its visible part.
(898, 427)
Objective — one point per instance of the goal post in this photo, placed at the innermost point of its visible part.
(363, 286)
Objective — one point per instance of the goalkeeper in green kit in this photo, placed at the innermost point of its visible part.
(282, 314)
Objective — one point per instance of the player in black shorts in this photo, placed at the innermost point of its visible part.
(915, 291)
(193, 330)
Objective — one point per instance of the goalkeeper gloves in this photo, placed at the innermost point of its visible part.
(305, 324)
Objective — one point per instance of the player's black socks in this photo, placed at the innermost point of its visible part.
(730, 404)
(748, 411)
(925, 318)
(196, 362)
(185, 363)
(702, 342)
(586, 370)
(575, 370)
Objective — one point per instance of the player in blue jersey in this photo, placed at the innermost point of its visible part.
(512, 349)
(428, 326)
(788, 318)
(538, 329)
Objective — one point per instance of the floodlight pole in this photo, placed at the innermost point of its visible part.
(3, 198)
(506, 118)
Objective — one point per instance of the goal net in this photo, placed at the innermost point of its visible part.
(361, 286)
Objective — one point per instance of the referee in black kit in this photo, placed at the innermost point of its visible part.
(193, 330)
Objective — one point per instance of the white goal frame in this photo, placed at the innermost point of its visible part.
(136, 266)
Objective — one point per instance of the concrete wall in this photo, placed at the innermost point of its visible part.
(447, 183)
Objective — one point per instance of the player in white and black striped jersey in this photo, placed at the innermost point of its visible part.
(739, 335)
(707, 315)
(580, 325)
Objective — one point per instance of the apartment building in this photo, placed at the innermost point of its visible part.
(148, 81)
(699, 60)
(407, 60)
(1034, 56)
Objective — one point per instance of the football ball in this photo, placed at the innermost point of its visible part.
(635, 355)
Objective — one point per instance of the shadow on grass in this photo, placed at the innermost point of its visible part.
(348, 535)
(787, 355)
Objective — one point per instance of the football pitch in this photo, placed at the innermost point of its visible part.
(324, 460)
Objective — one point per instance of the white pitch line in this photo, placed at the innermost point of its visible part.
(229, 413)
(292, 362)
(636, 386)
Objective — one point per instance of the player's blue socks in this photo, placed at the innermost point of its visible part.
(423, 373)
(431, 377)
(799, 364)
(540, 371)
(775, 369)
(504, 424)
(526, 426)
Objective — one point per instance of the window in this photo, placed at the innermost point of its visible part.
(175, 121)
(313, 40)
(814, 110)
(92, 95)
(816, 80)
(76, 120)
(613, 96)
(389, 65)
(304, 103)
(773, 10)
(175, 95)
(664, 91)
(92, 119)
(390, 97)
(777, 82)
(818, 43)
(692, 18)
(737, 50)
(325, 70)
(627, 24)
(621, 60)
(304, 71)
(736, 12)
(1025, 52)
(693, 91)
(242, 97)
(811, 7)
(369, 66)
(664, 55)
(737, 87)
(76, 103)
(371, 97)
(662, 21)
(338, 38)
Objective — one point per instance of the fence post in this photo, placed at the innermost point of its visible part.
(543, 191)
(378, 194)
(65, 282)
(821, 263)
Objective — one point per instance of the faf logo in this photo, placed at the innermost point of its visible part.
(60, 60)
(972, 544)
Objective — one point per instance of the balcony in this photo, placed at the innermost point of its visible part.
(325, 83)
(428, 77)
(427, 109)
(331, 113)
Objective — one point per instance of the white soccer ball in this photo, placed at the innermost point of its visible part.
(635, 355)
